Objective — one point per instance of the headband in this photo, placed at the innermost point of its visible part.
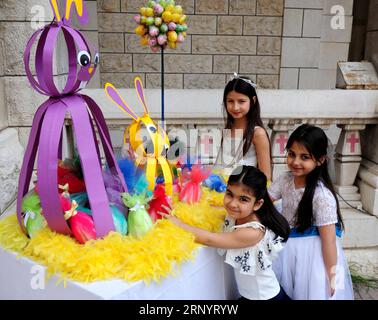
(236, 76)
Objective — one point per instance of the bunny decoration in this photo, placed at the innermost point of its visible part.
(46, 132)
(155, 133)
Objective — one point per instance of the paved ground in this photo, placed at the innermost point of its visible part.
(365, 293)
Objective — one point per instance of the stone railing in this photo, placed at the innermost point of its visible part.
(344, 114)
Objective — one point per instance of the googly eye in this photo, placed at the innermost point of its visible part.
(166, 147)
(83, 58)
(151, 128)
(96, 59)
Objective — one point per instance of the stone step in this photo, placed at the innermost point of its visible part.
(361, 229)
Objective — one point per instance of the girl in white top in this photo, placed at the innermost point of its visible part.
(244, 141)
(312, 265)
(254, 232)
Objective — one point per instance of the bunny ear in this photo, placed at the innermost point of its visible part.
(55, 7)
(139, 87)
(114, 95)
(80, 10)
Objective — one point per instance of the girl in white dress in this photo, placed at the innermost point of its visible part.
(254, 232)
(245, 140)
(312, 265)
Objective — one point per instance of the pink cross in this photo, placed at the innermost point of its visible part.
(207, 141)
(282, 141)
(353, 140)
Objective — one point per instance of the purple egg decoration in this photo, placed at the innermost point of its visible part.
(153, 31)
(45, 138)
(137, 18)
(158, 9)
(180, 38)
(152, 42)
(171, 26)
(162, 39)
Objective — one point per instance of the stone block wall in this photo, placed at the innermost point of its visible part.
(371, 49)
(311, 46)
(224, 36)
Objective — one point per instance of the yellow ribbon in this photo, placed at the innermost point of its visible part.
(159, 140)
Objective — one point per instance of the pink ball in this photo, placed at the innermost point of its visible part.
(137, 18)
(158, 9)
(152, 42)
(162, 39)
(155, 49)
(180, 38)
(154, 31)
(171, 26)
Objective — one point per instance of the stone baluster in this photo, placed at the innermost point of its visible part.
(278, 140)
(347, 162)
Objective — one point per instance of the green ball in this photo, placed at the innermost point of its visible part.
(163, 3)
(164, 28)
(184, 28)
(150, 21)
(151, 3)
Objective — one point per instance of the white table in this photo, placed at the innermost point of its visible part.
(205, 278)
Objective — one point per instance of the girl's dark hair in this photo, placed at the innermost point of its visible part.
(316, 142)
(256, 181)
(253, 116)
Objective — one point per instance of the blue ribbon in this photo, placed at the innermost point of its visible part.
(312, 231)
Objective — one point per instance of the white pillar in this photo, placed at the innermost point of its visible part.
(347, 162)
(278, 140)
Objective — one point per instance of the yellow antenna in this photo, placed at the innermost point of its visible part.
(78, 5)
(55, 8)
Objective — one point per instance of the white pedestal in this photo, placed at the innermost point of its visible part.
(205, 278)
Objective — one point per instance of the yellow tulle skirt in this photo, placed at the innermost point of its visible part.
(155, 256)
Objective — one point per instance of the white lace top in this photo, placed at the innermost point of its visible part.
(323, 204)
(230, 154)
(253, 265)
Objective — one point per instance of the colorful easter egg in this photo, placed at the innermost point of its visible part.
(162, 39)
(153, 31)
(180, 38)
(158, 21)
(178, 9)
(151, 4)
(170, 8)
(172, 36)
(176, 17)
(166, 16)
(158, 9)
(171, 26)
(163, 28)
(150, 21)
(144, 40)
(137, 18)
(152, 42)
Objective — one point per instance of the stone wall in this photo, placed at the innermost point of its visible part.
(371, 50)
(311, 47)
(224, 37)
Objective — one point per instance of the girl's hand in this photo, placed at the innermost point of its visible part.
(169, 215)
(331, 283)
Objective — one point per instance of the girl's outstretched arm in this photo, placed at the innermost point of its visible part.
(262, 147)
(240, 238)
(329, 251)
